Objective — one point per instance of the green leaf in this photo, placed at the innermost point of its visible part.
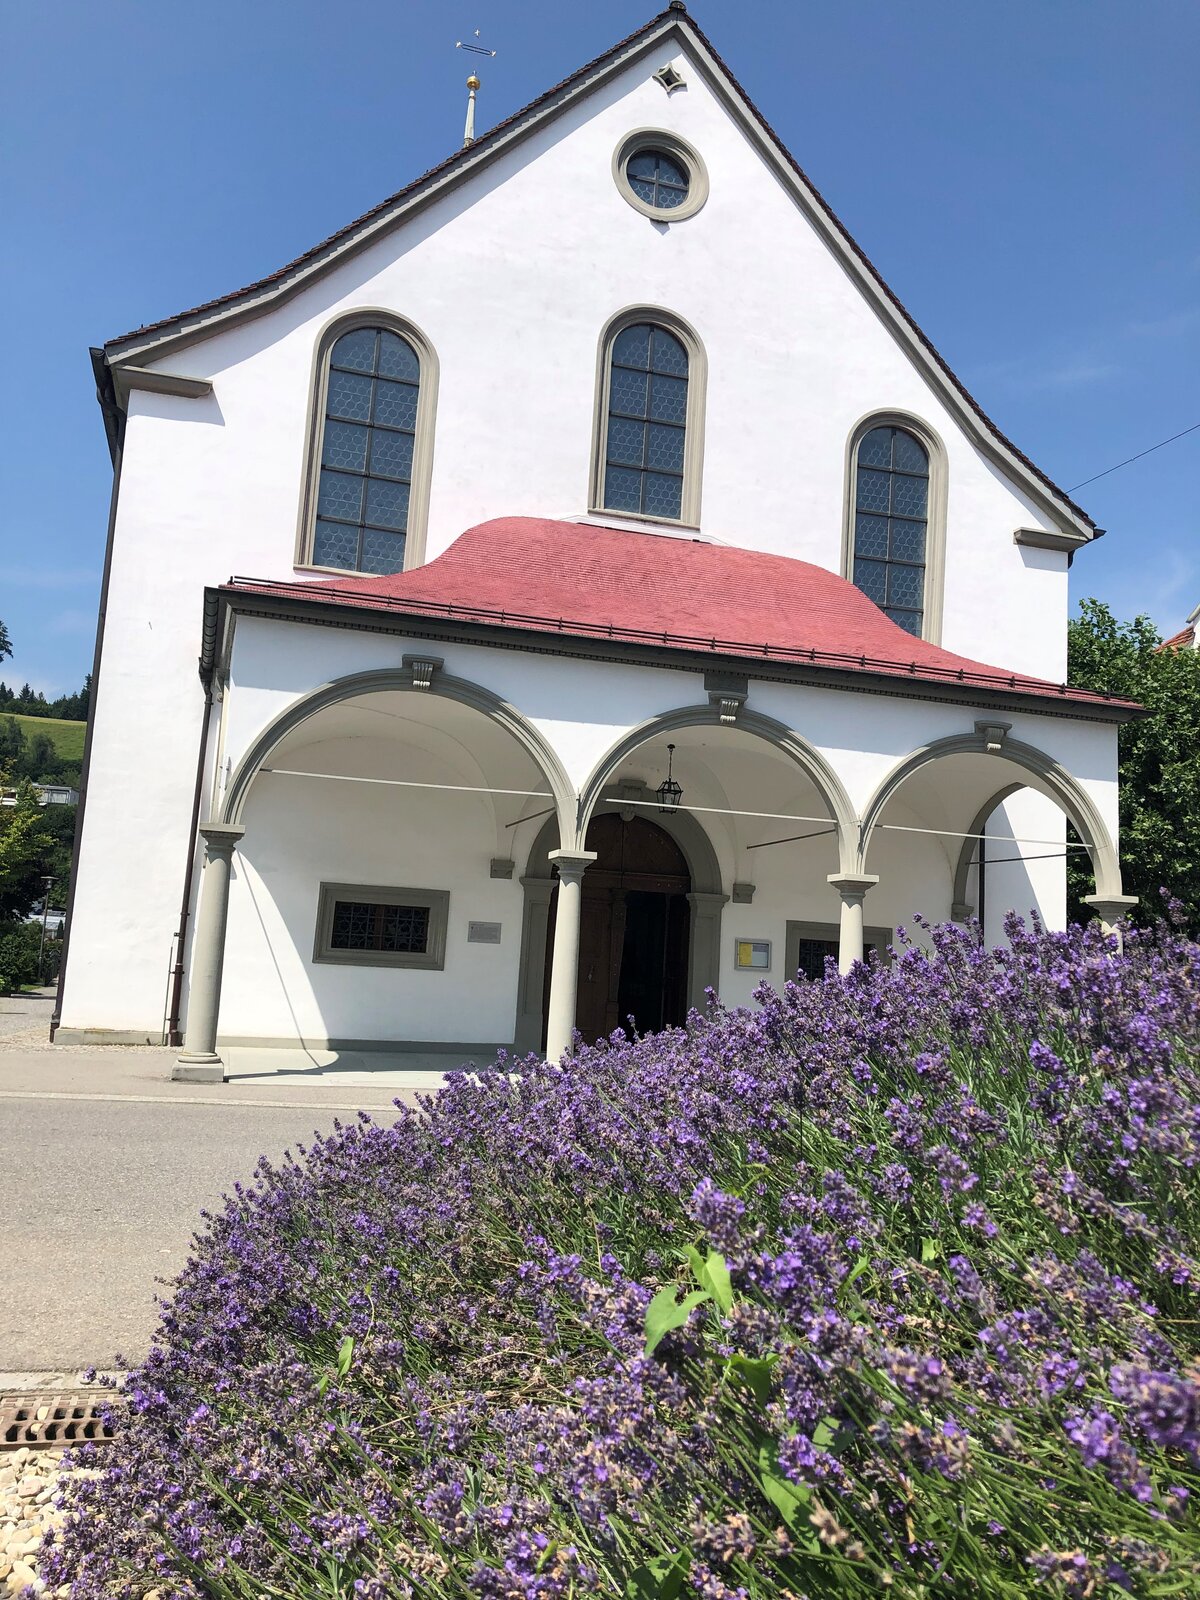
(860, 1266)
(664, 1313)
(345, 1356)
(755, 1374)
(716, 1278)
(931, 1249)
(712, 1273)
(788, 1498)
(660, 1578)
(694, 1260)
(824, 1433)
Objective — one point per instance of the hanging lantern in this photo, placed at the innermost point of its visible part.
(669, 793)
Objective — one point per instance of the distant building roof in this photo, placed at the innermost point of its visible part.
(585, 581)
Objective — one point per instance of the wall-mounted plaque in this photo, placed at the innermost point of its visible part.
(752, 955)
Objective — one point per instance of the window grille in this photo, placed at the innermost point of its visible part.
(367, 442)
(359, 925)
(364, 925)
(645, 438)
(891, 518)
(658, 179)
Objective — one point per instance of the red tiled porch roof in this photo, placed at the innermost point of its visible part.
(584, 581)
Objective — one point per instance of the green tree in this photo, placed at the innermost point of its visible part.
(1159, 755)
(5, 642)
(25, 844)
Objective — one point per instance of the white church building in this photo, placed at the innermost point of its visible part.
(672, 621)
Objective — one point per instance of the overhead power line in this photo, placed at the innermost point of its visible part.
(1137, 457)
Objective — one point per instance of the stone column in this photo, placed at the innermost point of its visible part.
(853, 889)
(564, 968)
(535, 924)
(199, 1061)
(1111, 909)
(704, 945)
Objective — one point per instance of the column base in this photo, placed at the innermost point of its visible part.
(199, 1067)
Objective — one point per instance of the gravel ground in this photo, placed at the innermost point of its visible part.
(28, 1479)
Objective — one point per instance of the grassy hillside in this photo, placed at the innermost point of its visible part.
(67, 736)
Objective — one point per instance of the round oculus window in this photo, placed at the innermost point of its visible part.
(659, 175)
(658, 179)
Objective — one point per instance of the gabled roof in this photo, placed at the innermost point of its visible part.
(156, 340)
(680, 598)
(1184, 640)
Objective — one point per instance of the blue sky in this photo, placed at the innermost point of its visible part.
(1025, 175)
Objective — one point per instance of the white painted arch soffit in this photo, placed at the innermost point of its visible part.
(459, 724)
(956, 781)
(747, 779)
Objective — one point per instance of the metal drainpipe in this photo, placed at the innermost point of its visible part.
(174, 1034)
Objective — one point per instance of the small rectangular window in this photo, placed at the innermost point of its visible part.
(809, 943)
(364, 925)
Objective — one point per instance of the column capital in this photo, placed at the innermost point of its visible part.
(221, 836)
(1111, 908)
(572, 863)
(706, 900)
(852, 885)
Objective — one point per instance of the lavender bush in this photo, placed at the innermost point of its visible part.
(886, 1288)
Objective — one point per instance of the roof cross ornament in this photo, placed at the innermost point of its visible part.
(472, 86)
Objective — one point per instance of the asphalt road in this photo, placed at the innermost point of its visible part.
(105, 1166)
(100, 1198)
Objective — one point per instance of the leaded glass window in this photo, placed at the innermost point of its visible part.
(645, 435)
(368, 926)
(811, 955)
(658, 179)
(359, 925)
(367, 452)
(891, 519)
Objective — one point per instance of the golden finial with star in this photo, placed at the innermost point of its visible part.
(473, 85)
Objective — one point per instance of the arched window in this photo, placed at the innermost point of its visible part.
(648, 420)
(891, 523)
(368, 482)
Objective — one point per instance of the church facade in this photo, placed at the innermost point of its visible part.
(574, 587)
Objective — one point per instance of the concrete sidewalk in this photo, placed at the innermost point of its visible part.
(107, 1164)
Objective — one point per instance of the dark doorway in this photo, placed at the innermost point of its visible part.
(633, 934)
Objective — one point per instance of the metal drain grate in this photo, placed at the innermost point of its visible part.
(45, 1419)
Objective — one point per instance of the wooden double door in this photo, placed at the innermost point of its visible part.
(633, 933)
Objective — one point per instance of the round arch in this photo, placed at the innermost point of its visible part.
(1051, 779)
(786, 740)
(705, 901)
(688, 834)
(389, 680)
(961, 907)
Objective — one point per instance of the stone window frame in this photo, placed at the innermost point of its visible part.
(423, 436)
(693, 440)
(935, 526)
(879, 939)
(432, 959)
(679, 150)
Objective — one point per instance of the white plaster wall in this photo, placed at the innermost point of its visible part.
(538, 250)
(302, 832)
(119, 970)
